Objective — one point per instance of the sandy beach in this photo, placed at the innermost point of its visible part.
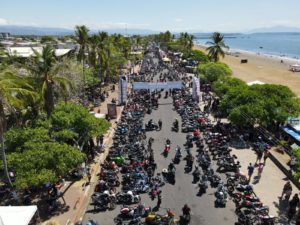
(263, 68)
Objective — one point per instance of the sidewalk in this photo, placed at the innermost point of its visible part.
(77, 194)
(270, 185)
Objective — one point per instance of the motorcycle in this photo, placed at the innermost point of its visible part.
(196, 176)
(202, 186)
(128, 198)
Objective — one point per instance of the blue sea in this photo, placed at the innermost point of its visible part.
(276, 44)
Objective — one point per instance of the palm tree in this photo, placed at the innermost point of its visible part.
(215, 50)
(190, 41)
(12, 89)
(44, 68)
(82, 36)
(94, 41)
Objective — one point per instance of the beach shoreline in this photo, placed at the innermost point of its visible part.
(267, 69)
(234, 51)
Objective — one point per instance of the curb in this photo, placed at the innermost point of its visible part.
(84, 203)
(284, 170)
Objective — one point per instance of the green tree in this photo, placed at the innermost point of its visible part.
(45, 76)
(82, 36)
(215, 50)
(17, 137)
(214, 70)
(268, 104)
(196, 55)
(186, 40)
(40, 163)
(78, 120)
(12, 89)
(224, 84)
(48, 40)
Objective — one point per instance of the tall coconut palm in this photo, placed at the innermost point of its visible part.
(12, 88)
(45, 76)
(82, 36)
(94, 41)
(215, 50)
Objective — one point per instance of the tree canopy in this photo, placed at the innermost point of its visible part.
(214, 70)
(43, 162)
(266, 104)
(196, 55)
(71, 117)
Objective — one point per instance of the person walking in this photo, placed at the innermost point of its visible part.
(287, 190)
(159, 198)
(260, 169)
(266, 155)
(293, 207)
(259, 155)
(250, 171)
(159, 124)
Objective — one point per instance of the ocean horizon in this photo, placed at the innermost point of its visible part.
(283, 45)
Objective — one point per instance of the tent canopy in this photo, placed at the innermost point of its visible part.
(16, 215)
(255, 82)
(166, 59)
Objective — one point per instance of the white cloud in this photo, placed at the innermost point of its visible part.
(3, 21)
(106, 25)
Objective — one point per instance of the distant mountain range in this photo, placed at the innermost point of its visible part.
(32, 30)
(276, 29)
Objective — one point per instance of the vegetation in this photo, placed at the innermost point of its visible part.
(215, 50)
(48, 40)
(30, 88)
(266, 104)
(42, 152)
(214, 70)
(225, 84)
(45, 77)
(196, 55)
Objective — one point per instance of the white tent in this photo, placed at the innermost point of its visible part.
(255, 82)
(98, 115)
(16, 215)
(295, 68)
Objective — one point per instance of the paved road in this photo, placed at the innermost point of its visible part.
(175, 196)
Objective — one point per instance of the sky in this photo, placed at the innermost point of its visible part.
(157, 15)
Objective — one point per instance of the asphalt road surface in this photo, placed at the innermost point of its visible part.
(183, 191)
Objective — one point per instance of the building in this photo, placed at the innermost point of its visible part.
(4, 35)
(25, 52)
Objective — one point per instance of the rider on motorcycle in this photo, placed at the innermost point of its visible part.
(150, 122)
(196, 172)
(171, 167)
(175, 124)
(178, 152)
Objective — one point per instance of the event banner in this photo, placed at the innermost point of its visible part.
(158, 85)
(123, 85)
(112, 110)
(196, 88)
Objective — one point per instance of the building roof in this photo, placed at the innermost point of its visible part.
(26, 52)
